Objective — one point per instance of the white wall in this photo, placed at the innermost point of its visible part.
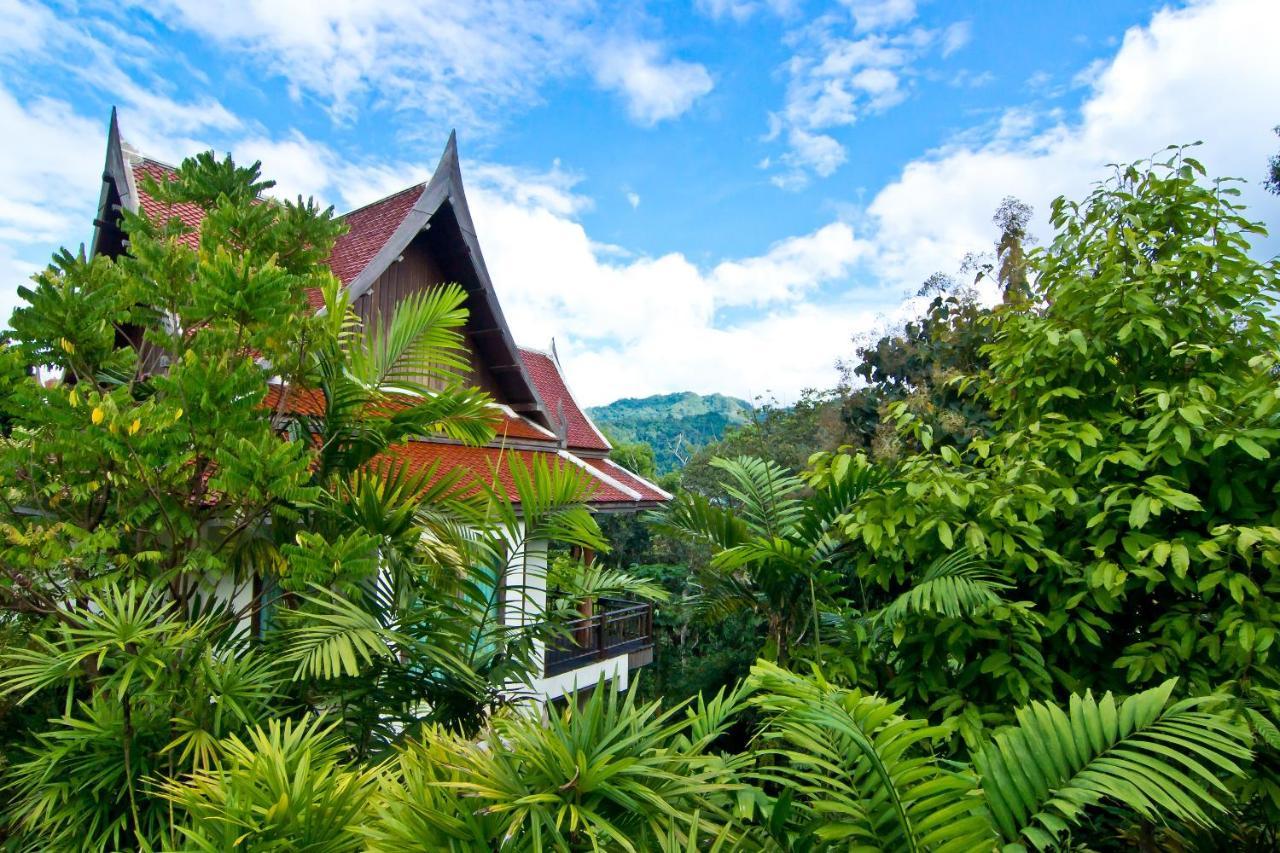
(525, 601)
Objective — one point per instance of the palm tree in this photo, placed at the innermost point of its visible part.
(778, 550)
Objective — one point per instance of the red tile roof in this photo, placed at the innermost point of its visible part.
(310, 401)
(546, 376)
(369, 227)
(646, 490)
(160, 212)
(492, 465)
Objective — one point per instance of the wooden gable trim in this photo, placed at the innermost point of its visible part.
(445, 188)
(117, 180)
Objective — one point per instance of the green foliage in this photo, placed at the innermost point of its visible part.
(860, 773)
(776, 553)
(1124, 489)
(187, 574)
(285, 787)
(225, 625)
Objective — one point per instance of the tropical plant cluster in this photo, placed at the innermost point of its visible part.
(229, 620)
(1108, 524)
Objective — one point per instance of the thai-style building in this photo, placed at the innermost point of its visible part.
(413, 240)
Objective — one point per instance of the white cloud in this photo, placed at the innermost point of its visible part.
(633, 199)
(880, 14)
(809, 153)
(955, 37)
(776, 319)
(789, 269)
(635, 327)
(1205, 72)
(628, 325)
(742, 10)
(462, 60)
(460, 63)
(655, 88)
(50, 175)
(834, 79)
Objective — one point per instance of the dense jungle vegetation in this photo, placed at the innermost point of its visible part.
(1012, 585)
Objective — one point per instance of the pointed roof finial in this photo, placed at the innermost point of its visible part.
(555, 356)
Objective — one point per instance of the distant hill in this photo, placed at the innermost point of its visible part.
(674, 424)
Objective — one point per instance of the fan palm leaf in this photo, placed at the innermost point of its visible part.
(331, 636)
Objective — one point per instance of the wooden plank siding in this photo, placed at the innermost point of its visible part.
(417, 270)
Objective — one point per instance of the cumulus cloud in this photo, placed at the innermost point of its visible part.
(636, 325)
(654, 87)
(1198, 73)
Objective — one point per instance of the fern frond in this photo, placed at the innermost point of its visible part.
(862, 772)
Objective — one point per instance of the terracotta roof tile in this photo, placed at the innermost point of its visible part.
(310, 401)
(160, 212)
(546, 376)
(647, 491)
(369, 227)
(492, 464)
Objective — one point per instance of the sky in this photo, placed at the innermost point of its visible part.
(715, 195)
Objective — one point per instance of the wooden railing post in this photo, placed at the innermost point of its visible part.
(600, 632)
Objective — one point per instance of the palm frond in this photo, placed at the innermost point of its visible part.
(286, 787)
(421, 341)
(578, 581)
(692, 516)
(766, 491)
(1158, 758)
(332, 636)
(861, 771)
(463, 414)
(956, 585)
(121, 632)
(761, 549)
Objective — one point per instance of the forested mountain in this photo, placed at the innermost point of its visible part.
(674, 424)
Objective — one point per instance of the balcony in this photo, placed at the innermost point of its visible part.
(616, 628)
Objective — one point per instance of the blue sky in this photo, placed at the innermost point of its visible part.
(718, 195)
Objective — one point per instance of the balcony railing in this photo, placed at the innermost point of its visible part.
(616, 628)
